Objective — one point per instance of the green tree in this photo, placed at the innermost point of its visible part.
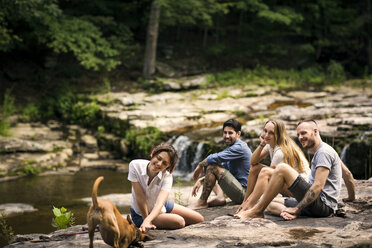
(45, 25)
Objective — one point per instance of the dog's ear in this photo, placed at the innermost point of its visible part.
(129, 219)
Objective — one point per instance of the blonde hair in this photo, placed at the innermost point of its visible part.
(292, 153)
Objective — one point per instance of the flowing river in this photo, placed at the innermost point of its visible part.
(67, 190)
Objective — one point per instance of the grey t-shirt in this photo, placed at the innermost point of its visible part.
(326, 156)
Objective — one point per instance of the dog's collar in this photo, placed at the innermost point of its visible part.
(137, 237)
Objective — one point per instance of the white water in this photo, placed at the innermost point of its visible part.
(189, 155)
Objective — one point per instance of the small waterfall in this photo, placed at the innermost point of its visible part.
(343, 153)
(189, 155)
(198, 155)
(181, 144)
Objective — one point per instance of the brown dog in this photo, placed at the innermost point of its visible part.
(115, 230)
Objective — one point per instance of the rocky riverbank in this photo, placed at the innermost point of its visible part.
(343, 114)
(351, 228)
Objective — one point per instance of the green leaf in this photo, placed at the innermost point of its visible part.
(56, 211)
(63, 210)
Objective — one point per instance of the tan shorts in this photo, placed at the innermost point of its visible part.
(232, 187)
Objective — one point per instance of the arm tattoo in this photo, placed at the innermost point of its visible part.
(307, 200)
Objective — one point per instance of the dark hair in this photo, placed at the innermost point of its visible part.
(232, 123)
(172, 153)
(308, 120)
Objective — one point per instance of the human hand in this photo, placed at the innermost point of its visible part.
(147, 225)
(239, 209)
(196, 187)
(242, 207)
(262, 139)
(290, 213)
(199, 170)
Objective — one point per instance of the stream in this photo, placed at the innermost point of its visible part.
(67, 190)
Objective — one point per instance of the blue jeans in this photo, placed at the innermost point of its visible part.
(137, 219)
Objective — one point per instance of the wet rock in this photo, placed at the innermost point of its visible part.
(12, 209)
(11, 145)
(165, 69)
(102, 164)
(89, 142)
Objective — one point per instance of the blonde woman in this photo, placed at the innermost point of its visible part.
(276, 143)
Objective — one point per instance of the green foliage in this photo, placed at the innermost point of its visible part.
(29, 170)
(240, 113)
(85, 41)
(283, 15)
(153, 86)
(178, 193)
(25, 24)
(261, 75)
(62, 219)
(335, 72)
(7, 109)
(84, 113)
(6, 231)
(142, 141)
(64, 103)
(224, 94)
(198, 12)
(4, 128)
(30, 113)
(312, 75)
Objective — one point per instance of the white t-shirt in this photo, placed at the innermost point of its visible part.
(277, 157)
(138, 173)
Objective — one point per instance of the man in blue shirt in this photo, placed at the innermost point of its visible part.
(229, 167)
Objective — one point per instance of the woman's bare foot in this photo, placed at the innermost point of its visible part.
(217, 201)
(249, 214)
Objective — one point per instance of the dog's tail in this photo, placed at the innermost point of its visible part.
(94, 191)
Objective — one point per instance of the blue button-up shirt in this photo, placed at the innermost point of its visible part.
(235, 158)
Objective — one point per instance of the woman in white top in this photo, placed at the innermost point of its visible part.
(151, 183)
(276, 143)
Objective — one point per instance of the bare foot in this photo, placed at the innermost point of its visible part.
(249, 214)
(217, 201)
(288, 216)
(199, 204)
(244, 206)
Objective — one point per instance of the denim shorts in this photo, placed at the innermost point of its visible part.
(137, 219)
(316, 209)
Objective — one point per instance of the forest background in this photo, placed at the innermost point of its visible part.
(52, 49)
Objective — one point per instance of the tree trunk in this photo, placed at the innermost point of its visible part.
(151, 40)
(369, 30)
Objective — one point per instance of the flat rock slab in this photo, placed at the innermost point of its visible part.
(220, 229)
(12, 209)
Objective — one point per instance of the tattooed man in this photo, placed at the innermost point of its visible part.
(229, 168)
(318, 197)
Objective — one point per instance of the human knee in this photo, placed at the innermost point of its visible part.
(266, 172)
(179, 222)
(199, 218)
(282, 168)
(214, 169)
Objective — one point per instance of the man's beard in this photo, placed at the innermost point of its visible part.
(311, 144)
